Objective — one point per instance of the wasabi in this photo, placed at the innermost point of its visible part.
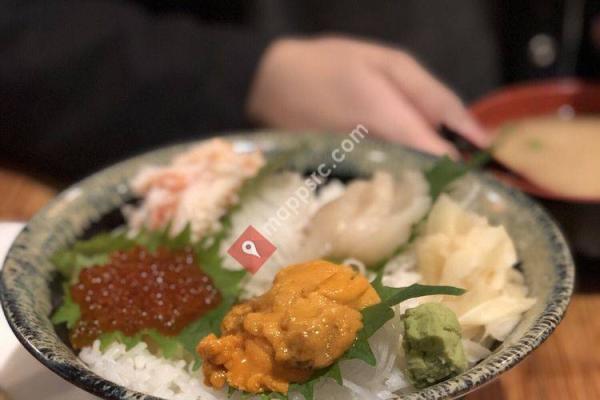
(432, 343)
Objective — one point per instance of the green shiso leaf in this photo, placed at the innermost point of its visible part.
(445, 171)
(271, 396)
(167, 346)
(70, 262)
(259, 396)
(361, 350)
(152, 240)
(103, 243)
(442, 174)
(108, 338)
(307, 389)
(205, 325)
(87, 253)
(182, 239)
(69, 312)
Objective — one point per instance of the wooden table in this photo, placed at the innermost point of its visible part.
(567, 366)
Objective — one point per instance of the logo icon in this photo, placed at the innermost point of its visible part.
(251, 249)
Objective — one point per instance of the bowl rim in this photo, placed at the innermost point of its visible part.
(567, 86)
(475, 377)
(564, 86)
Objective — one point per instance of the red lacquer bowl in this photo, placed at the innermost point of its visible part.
(579, 217)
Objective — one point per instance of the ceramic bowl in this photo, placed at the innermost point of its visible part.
(28, 294)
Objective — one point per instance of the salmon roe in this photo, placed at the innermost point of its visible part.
(139, 290)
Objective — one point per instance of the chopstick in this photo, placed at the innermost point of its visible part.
(474, 156)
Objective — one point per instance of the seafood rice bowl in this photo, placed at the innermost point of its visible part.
(375, 286)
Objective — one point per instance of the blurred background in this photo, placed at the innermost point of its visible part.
(85, 83)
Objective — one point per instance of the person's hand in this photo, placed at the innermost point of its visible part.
(334, 84)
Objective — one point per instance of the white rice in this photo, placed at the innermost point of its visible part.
(140, 370)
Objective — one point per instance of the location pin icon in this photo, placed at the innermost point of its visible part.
(248, 247)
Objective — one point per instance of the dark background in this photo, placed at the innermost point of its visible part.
(85, 83)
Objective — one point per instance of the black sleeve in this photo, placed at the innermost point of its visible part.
(83, 83)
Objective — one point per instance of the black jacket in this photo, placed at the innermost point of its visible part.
(84, 83)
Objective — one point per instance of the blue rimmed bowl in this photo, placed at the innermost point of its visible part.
(28, 291)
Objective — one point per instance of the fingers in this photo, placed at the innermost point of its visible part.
(461, 121)
(393, 117)
(410, 128)
(438, 104)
